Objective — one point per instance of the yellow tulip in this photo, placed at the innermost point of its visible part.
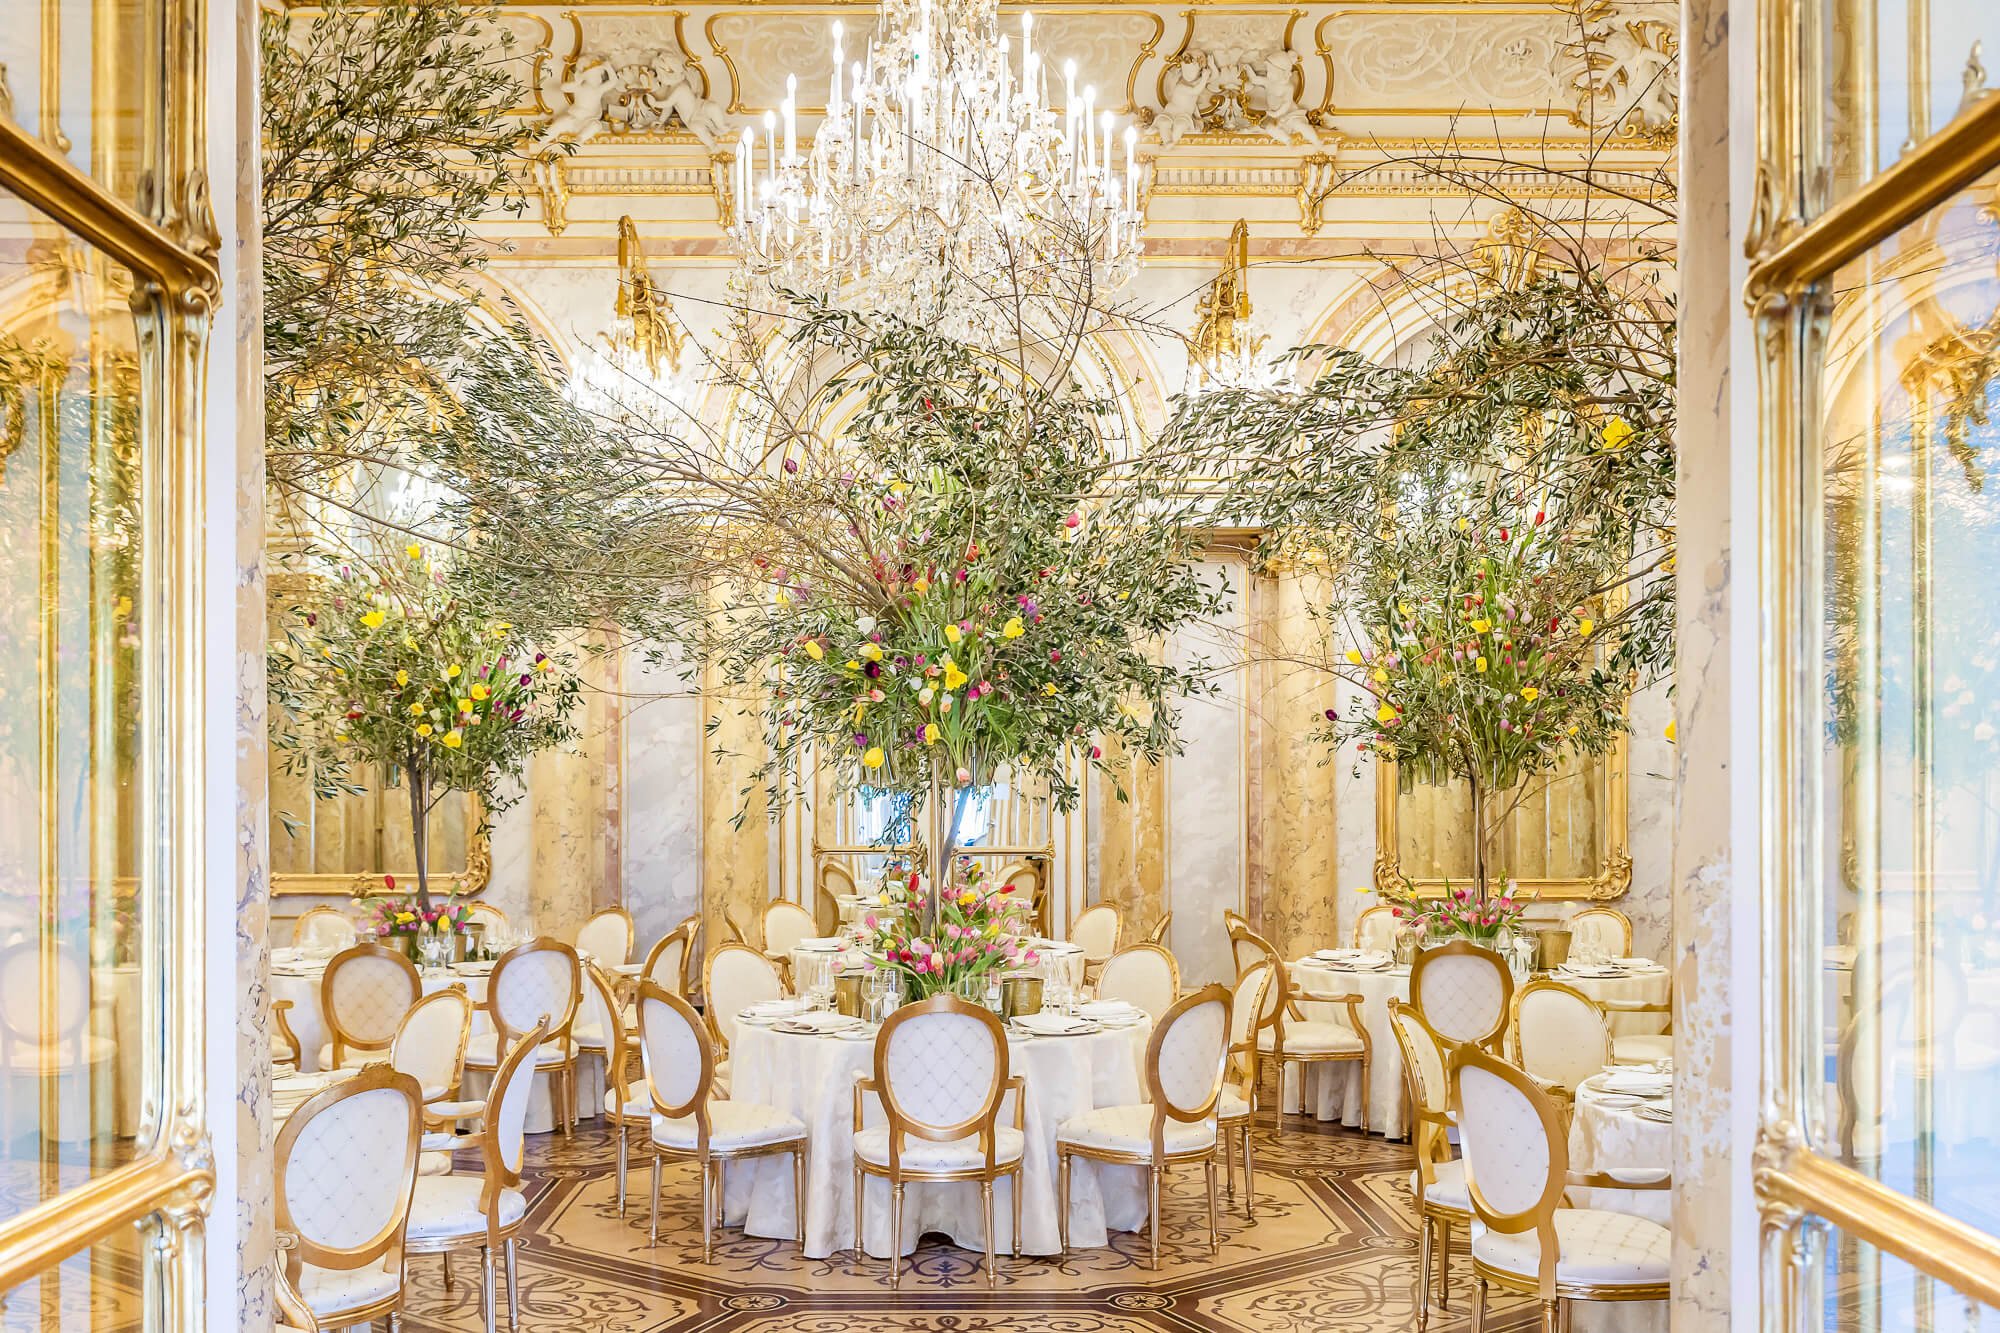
(852, 665)
(402, 678)
(1353, 657)
(1617, 433)
(921, 586)
(872, 651)
(953, 677)
(480, 691)
(1530, 693)
(873, 759)
(951, 634)
(415, 709)
(1050, 689)
(453, 671)
(1572, 729)
(1013, 629)
(1464, 523)
(423, 728)
(373, 619)
(454, 738)
(930, 733)
(1672, 732)
(404, 918)
(1386, 713)
(544, 665)
(1585, 626)
(1381, 676)
(1481, 625)
(464, 705)
(814, 651)
(1480, 665)
(414, 551)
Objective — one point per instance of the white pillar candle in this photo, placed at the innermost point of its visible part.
(771, 137)
(839, 72)
(791, 109)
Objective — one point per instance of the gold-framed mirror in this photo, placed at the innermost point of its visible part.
(345, 845)
(1570, 837)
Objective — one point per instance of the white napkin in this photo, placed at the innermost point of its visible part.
(1050, 1025)
(822, 1021)
(770, 1009)
(1113, 1009)
(1635, 962)
(820, 944)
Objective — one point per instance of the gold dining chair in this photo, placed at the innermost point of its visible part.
(687, 1122)
(1516, 1173)
(669, 961)
(530, 982)
(940, 1076)
(1376, 929)
(1439, 1180)
(1289, 1037)
(1464, 992)
(1237, 1107)
(1184, 1069)
(1558, 1035)
(346, 1164)
(485, 1212)
(1096, 931)
(363, 996)
(1145, 976)
(607, 937)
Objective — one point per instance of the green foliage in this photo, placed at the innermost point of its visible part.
(1518, 474)
(960, 584)
(390, 668)
(397, 402)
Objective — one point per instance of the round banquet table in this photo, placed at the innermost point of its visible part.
(1646, 985)
(812, 1077)
(1605, 1134)
(299, 982)
(1333, 1091)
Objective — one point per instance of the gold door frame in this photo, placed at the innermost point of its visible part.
(170, 250)
(1798, 242)
(1613, 877)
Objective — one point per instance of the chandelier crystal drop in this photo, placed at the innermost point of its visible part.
(943, 186)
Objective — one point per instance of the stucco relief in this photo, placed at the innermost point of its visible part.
(1416, 61)
(630, 76)
(795, 44)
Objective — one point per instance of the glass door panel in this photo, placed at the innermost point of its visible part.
(74, 1054)
(1909, 863)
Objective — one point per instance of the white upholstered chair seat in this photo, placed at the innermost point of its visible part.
(446, 1206)
(444, 1141)
(1642, 1048)
(1129, 1129)
(1448, 1190)
(1314, 1037)
(1597, 1247)
(639, 1105)
(434, 1164)
(872, 1147)
(480, 1052)
(731, 1126)
(1232, 1107)
(328, 1291)
(721, 1078)
(454, 1110)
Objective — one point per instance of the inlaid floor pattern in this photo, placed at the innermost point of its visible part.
(1332, 1250)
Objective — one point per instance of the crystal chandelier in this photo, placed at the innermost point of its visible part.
(1226, 349)
(942, 186)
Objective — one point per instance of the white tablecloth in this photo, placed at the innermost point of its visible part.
(813, 1078)
(1648, 986)
(1615, 1137)
(1333, 1091)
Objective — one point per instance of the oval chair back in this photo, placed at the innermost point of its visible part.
(941, 1071)
(785, 924)
(836, 881)
(21, 1004)
(679, 1056)
(1246, 946)
(1376, 929)
(323, 928)
(598, 1022)
(1430, 1091)
(1516, 1156)
(1158, 934)
(364, 994)
(486, 914)
(1246, 1005)
(732, 976)
(1559, 1034)
(1096, 931)
(1604, 930)
(346, 1165)
(430, 1042)
(667, 963)
(1143, 975)
(535, 983)
(505, 1135)
(1184, 1060)
(607, 937)
(1463, 992)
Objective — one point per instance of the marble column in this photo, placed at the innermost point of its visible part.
(1131, 851)
(736, 860)
(1716, 852)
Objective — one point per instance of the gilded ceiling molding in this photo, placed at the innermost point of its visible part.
(1626, 81)
(1243, 81)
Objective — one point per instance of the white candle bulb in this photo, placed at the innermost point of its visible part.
(790, 106)
(1104, 161)
(771, 138)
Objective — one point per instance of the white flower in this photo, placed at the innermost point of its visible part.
(866, 624)
(1983, 732)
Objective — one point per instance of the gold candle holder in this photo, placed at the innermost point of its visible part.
(1019, 996)
(847, 994)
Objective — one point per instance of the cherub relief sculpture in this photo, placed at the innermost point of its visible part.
(1186, 87)
(1234, 94)
(1629, 84)
(642, 93)
(1284, 119)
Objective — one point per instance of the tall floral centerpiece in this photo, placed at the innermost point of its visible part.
(387, 668)
(390, 915)
(1495, 516)
(1457, 911)
(958, 587)
(953, 944)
